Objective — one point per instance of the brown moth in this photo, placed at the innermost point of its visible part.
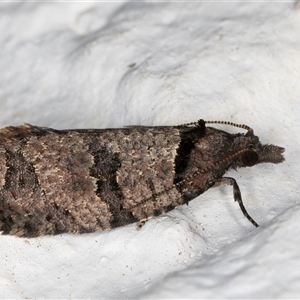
(87, 180)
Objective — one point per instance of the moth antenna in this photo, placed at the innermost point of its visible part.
(243, 126)
(224, 160)
(213, 165)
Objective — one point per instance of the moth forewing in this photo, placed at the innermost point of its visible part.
(87, 180)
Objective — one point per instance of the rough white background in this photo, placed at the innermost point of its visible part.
(92, 64)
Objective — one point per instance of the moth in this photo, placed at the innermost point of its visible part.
(87, 180)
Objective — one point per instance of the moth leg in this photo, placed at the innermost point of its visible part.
(142, 222)
(236, 195)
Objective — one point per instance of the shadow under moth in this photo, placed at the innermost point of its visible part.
(87, 180)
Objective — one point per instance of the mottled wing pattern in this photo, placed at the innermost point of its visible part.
(77, 181)
(72, 181)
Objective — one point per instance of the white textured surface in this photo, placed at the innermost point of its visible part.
(69, 65)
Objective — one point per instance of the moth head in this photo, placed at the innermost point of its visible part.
(247, 150)
(253, 152)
